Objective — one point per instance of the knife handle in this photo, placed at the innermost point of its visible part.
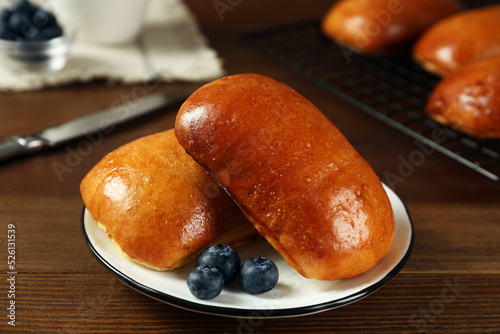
(20, 145)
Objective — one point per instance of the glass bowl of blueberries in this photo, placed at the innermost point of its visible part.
(32, 39)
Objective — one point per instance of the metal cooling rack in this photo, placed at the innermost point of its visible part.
(392, 89)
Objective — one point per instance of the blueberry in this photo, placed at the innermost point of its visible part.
(20, 24)
(42, 19)
(5, 14)
(51, 32)
(24, 5)
(36, 35)
(222, 257)
(205, 282)
(258, 275)
(4, 22)
(4, 29)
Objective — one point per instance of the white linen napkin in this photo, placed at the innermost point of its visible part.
(171, 47)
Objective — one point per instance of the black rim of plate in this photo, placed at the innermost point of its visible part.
(393, 89)
(247, 313)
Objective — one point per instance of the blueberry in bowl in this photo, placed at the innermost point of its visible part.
(32, 39)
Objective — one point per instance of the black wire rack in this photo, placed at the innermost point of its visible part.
(392, 89)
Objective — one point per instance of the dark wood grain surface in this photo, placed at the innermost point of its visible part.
(451, 284)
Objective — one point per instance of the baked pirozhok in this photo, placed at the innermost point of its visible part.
(469, 99)
(383, 26)
(294, 175)
(458, 40)
(159, 206)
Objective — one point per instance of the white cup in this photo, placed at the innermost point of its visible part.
(103, 21)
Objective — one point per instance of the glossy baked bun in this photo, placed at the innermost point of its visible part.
(381, 26)
(291, 171)
(159, 206)
(458, 40)
(469, 99)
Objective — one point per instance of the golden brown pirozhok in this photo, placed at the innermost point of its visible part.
(459, 39)
(291, 171)
(469, 99)
(380, 26)
(159, 206)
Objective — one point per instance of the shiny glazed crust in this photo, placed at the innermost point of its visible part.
(380, 26)
(291, 171)
(159, 206)
(458, 40)
(469, 99)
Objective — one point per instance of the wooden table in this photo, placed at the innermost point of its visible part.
(451, 284)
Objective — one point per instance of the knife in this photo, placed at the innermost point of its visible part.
(99, 121)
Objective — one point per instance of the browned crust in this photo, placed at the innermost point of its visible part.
(469, 99)
(292, 172)
(459, 39)
(382, 26)
(159, 205)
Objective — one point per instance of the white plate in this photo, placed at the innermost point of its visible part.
(294, 295)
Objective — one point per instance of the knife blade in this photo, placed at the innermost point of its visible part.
(99, 121)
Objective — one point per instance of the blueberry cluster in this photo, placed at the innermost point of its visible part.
(27, 22)
(219, 265)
